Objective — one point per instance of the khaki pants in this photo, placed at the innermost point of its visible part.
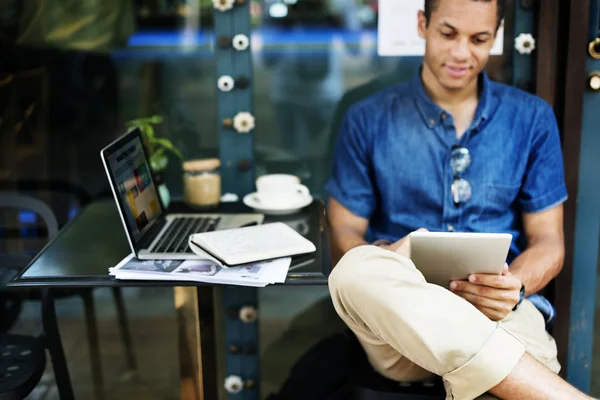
(411, 329)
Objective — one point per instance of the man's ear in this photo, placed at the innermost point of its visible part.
(421, 24)
(501, 25)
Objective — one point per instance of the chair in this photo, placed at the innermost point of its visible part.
(85, 293)
(21, 365)
(23, 358)
(368, 384)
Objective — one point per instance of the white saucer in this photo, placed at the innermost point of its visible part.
(290, 208)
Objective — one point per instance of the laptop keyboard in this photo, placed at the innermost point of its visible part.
(175, 239)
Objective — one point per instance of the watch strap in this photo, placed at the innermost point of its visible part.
(522, 296)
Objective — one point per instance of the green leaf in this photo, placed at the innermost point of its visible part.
(156, 145)
(136, 122)
(156, 119)
(159, 152)
(158, 161)
(166, 143)
(148, 132)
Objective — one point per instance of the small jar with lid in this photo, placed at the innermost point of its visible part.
(202, 182)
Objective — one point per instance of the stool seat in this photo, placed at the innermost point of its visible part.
(401, 391)
(368, 384)
(22, 363)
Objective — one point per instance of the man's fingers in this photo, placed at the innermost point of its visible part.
(492, 314)
(495, 313)
(482, 290)
(503, 295)
(496, 281)
(402, 246)
(483, 301)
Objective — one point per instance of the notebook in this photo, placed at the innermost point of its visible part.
(252, 243)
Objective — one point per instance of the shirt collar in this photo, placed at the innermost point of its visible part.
(433, 114)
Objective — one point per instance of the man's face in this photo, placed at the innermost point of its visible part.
(459, 37)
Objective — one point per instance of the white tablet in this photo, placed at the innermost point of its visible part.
(445, 256)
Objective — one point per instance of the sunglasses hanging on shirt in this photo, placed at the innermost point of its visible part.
(461, 189)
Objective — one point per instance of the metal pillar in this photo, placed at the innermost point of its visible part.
(236, 145)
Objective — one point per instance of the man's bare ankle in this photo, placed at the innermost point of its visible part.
(531, 380)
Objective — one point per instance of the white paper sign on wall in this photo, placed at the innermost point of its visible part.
(397, 32)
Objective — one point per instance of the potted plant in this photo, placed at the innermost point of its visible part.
(158, 148)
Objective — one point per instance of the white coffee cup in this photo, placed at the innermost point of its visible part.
(299, 225)
(279, 190)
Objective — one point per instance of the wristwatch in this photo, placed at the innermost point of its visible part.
(522, 296)
(382, 242)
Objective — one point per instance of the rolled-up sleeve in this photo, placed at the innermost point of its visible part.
(352, 182)
(544, 184)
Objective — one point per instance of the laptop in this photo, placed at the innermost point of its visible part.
(154, 234)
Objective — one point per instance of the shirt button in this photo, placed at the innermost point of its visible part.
(450, 228)
(444, 115)
(431, 122)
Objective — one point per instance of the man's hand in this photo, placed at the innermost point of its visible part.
(402, 246)
(493, 295)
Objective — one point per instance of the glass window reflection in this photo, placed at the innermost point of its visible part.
(88, 67)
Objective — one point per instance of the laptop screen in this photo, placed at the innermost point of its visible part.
(130, 173)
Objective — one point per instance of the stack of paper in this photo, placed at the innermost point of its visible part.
(257, 274)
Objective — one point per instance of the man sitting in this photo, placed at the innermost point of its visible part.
(451, 150)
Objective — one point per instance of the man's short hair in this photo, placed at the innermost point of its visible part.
(431, 5)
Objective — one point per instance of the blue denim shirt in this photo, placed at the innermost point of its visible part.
(392, 163)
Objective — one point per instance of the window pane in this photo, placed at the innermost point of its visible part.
(81, 69)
